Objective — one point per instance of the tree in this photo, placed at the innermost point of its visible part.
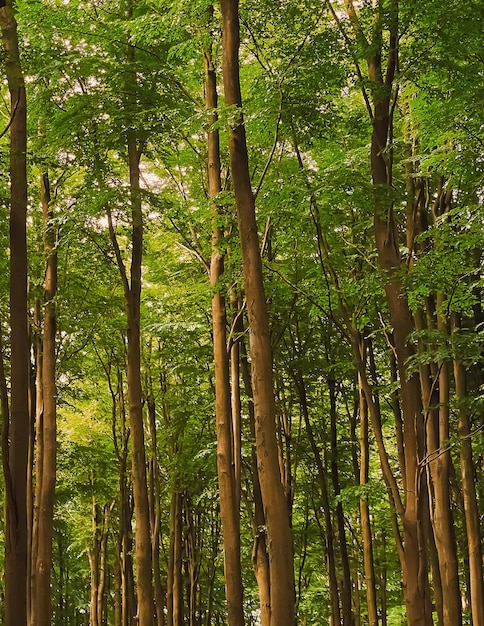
(16, 420)
(273, 497)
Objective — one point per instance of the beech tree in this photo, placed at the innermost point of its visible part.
(260, 370)
(16, 412)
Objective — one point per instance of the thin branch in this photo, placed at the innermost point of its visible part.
(355, 22)
(349, 45)
(4, 132)
(273, 150)
(189, 246)
(256, 52)
(117, 252)
(266, 236)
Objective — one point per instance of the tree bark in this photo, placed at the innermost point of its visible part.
(140, 490)
(275, 507)
(415, 562)
(226, 449)
(37, 450)
(443, 524)
(132, 296)
(346, 587)
(260, 560)
(48, 434)
(471, 510)
(125, 503)
(16, 437)
(367, 537)
(155, 507)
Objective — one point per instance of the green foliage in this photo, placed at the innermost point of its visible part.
(308, 134)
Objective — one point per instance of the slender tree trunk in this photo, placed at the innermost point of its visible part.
(383, 584)
(416, 585)
(35, 384)
(16, 435)
(260, 560)
(138, 458)
(235, 357)
(416, 588)
(170, 575)
(174, 594)
(193, 542)
(346, 589)
(155, 512)
(471, 510)
(118, 576)
(178, 561)
(226, 460)
(132, 294)
(128, 599)
(273, 496)
(97, 554)
(364, 509)
(330, 551)
(93, 556)
(443, 525)
(48, 434)
(103, 566)
(37, 448)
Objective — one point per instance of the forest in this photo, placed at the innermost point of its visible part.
(242, 312)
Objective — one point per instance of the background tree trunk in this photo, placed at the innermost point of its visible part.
(368, 561)
(47, 471)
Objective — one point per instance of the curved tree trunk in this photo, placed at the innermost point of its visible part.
(275, 506)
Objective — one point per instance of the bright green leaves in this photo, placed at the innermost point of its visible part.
(449, 266)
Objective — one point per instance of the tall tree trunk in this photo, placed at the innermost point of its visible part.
(474, 543)
(138, 458)
(118, 577)
(443, 525)
(343, 546)
(47, 471)
(381, 81)
(97, 554)
(155, 511)
(128, 599)
(178, 608)
(229, 500)
(321, 472)
(235, 358)
(174, 593)
(93, 556)
(16, 436)
(37, 450)
(132, 294)
(367, 538)
(273, 496)
(260, 560)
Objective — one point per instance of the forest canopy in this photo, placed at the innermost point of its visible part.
(241, 323)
